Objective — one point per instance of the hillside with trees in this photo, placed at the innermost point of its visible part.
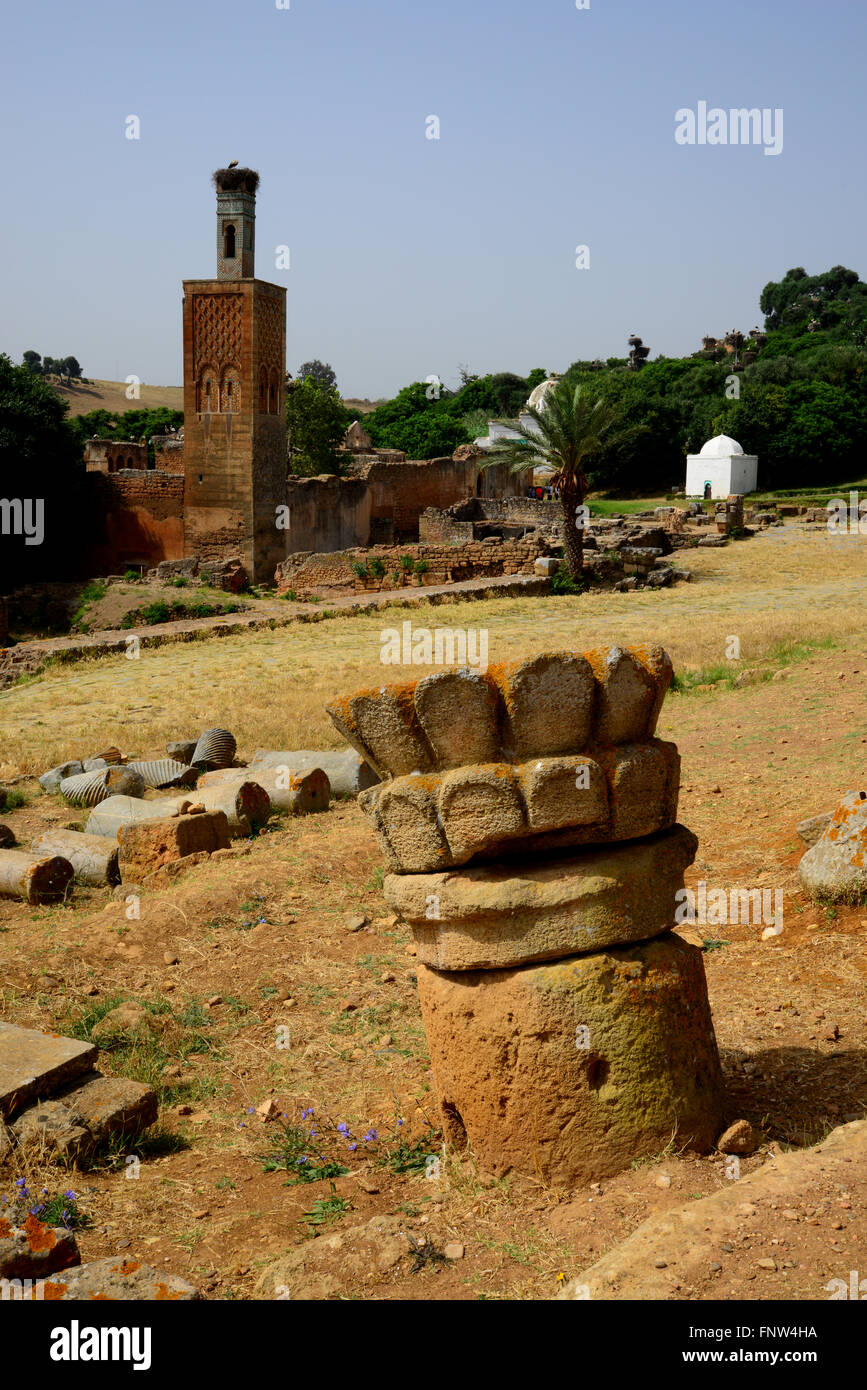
(794, 395)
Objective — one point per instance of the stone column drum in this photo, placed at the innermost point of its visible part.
(529, 820)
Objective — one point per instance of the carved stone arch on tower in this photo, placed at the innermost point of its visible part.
(230, 391)
(273, 392)
(207, 391)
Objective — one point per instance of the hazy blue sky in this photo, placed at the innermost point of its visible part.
(411, 255)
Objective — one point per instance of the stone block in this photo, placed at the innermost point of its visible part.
(566, 1073)
(31, 1250)
(457, 711)
(549, 704)
(812, 829)
(83, 1116)
(461, 717)
(345, 769)
(835, 867)
(34, 1063)
(146, 846)
(546, 564)
(34, 877)
(51, 780)
(116, 1279)
(531, 909)
(382, 726)
(438, 821)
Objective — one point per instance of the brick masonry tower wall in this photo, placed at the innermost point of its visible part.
(235, 422)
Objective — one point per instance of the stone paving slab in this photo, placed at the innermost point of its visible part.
(35, 1064)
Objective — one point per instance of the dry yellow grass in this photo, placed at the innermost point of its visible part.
(111, 395)
(270, 688)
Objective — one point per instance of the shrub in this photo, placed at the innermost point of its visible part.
(397, 576)
(360, 569)
(407, 563)
(421, 567)
(132, 576)
(563, 583)
(377, 568)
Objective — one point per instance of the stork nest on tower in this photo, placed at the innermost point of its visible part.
(236, 180)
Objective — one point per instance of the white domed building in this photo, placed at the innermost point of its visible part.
(722, 463)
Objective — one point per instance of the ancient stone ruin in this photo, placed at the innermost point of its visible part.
(529, 820)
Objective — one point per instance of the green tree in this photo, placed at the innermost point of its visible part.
(323, 372)
(316, 420)
(39, 450)
(71, 367)
(571, 430)
(32, 361)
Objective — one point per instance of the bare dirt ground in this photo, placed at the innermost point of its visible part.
(266, 935)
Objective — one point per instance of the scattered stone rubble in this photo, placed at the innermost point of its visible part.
(569, 1029)
(53, 1101)
(135, 833)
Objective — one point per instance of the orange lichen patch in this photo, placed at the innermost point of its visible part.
(165, 1294)
(53, 1293)
(5, 1227)
(39, 1236)
(126, 1267)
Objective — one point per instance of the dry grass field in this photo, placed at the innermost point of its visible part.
(783, 586)
(111, 395)
(264, 937)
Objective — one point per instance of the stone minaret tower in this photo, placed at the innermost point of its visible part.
(234, 409)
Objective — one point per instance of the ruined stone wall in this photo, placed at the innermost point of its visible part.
(460, 522)
(327, 513)
(141, 513)
(402, 491)
(168, 453)
(113, 455)
(446, 564)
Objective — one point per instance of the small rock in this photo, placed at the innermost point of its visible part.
(348, 1005)
(214, 1000)
(386, 1040)
(268, 1110)
(660, 1264)
(169, 958)
(766, 1264)
(7, 839)
(356, 922)
(739, 1138)
(410, 951)
(387, 978)
(714, 1266)
(454, 1250)
(663, 1180)
(173, 1070)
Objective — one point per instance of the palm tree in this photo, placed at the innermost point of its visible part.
(568, 428)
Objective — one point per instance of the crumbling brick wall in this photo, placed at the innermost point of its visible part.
(142, 518)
